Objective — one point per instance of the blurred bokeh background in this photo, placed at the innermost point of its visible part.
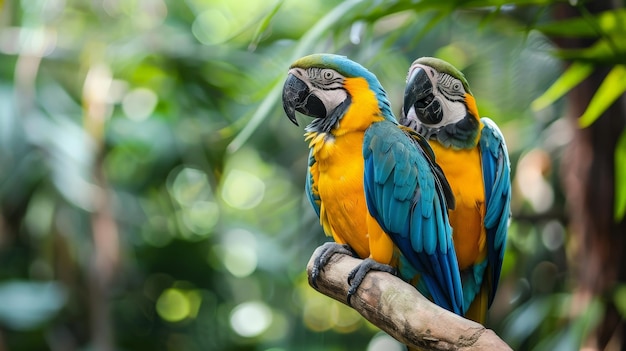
(151, 188)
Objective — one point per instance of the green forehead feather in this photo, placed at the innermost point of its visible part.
(341, 64)
(308, 61)
(444, 67)
(316, 60)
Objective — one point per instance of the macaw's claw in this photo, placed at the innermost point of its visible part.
(327, 250)
(356, 276)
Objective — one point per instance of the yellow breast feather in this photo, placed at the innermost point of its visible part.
(464, 173)
(338, 175)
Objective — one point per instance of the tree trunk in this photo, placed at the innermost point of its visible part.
(598, 241)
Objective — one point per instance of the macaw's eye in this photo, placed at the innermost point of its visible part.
(456, 86)
(328, 74)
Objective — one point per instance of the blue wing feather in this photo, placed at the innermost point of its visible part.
(497, 178)
(404, 195)
(310, 187)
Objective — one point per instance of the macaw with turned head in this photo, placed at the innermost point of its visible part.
(373, 183)
(472, 153)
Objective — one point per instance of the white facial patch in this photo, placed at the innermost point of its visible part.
(327, 88)
(330, 98)
(453, 111)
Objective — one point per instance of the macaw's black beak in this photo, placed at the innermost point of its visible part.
(419, 94)
(298, 97)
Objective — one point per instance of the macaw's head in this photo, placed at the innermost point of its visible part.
(324, 86)
(439, 105)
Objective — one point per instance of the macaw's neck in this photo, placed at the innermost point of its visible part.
(461, 135)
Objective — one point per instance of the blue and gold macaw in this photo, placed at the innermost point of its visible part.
(471, 151)
(373, 183)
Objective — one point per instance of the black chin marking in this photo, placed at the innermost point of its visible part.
(425, 101)
(430, 113)
(312, 106)
(325, 125)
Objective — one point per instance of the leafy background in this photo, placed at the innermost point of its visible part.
(151, 190)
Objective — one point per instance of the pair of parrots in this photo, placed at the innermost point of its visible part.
(426, 197)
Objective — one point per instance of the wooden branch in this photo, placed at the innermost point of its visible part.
(400, 310)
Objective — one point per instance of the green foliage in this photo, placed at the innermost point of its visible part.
(607, 30)
(620, 175)
(613, 86)
(587, 26)
(571, 77)
(619, 298)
